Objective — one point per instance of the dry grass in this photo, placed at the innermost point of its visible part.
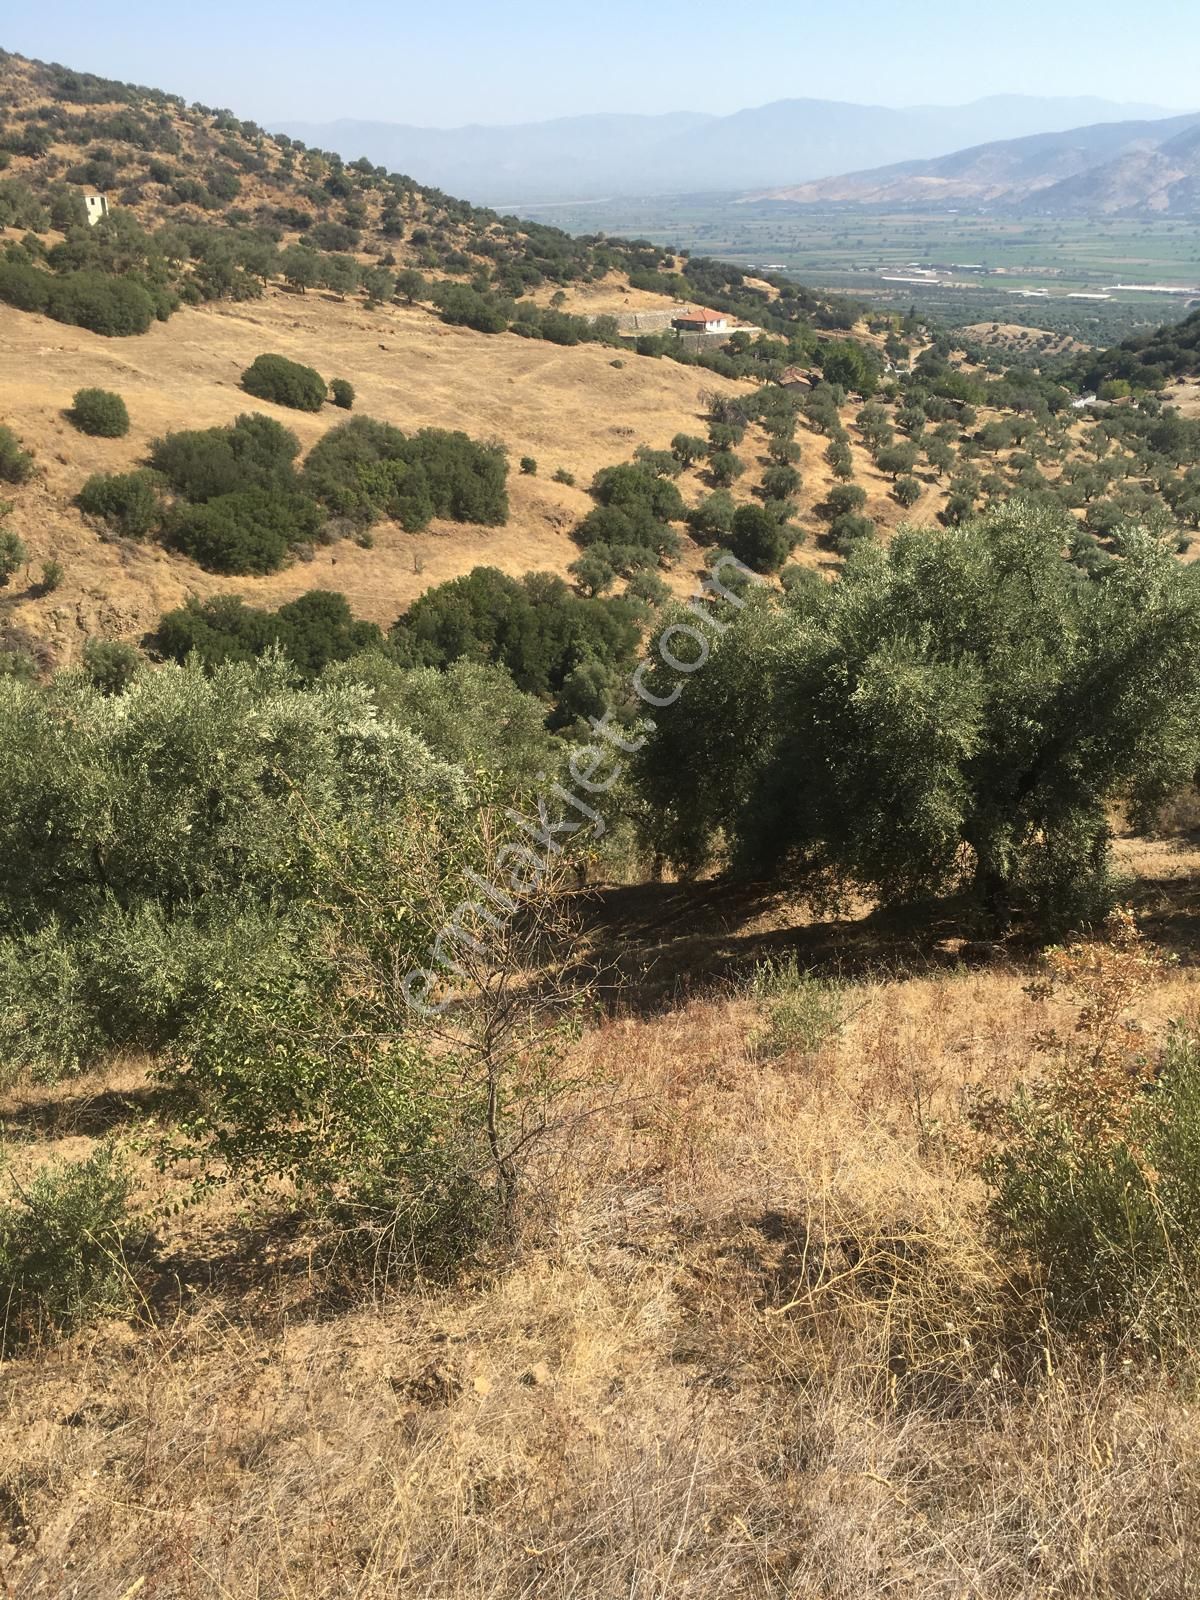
(566, 407)
(756, 1344)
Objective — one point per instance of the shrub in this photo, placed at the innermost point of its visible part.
(367, 469)
(314, 630)
(248, 531)
(341, 392)
(13, 555)
(758, 540)
(128, 502)
(100, 413)
(23, 286)
(110, 665)
(16, 465)
(563, 476)
(593, 571)
(1095, 1170)
(908, 491)
(61, 1249)
(529, 466)
(844, 498)
(724, 468)
(17, 664)
(849, 531)
(287, 383)
(115, 307)
(253, 452)
(713, 517)
(803, 1011)
(52, 576)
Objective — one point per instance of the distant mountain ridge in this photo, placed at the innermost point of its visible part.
(787, 141)
(1120, 169)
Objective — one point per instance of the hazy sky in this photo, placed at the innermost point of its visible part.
(524, 60)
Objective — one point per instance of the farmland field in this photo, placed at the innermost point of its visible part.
(856, 252)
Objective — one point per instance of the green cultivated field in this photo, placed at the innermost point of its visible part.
(849, 251)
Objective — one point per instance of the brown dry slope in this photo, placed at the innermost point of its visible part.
(566, 407)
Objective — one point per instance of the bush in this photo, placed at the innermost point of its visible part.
(52, 576)
(100, 413)
(16, 465)
(61, 1249)
(804, 1012)
(287, 383)
(249, 531)
(112, 306)
(908, 491)
(529, 466)
(563, 476)
(13, 555)
(110, 665)
(367, 469)
(758, 540)
(1095, 1173)
(341, 392)
(253, 452)
(313, 631)
(128, 502)
(844, 498)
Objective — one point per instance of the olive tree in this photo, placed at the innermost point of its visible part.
(959, 712)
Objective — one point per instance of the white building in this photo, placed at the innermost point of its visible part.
(700, 321)
(97, 208)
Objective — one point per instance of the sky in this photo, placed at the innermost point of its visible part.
(506, 61)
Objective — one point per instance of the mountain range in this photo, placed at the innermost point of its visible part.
(788, 142)
(1119, 169)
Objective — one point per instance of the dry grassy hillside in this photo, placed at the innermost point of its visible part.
(755, 1343)
(568, 408)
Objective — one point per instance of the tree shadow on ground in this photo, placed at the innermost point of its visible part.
(83, 1115)
(656, 944)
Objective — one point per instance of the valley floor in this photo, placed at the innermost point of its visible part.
(755, 1343)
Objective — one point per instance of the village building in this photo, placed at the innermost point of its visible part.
(97, 208)
(696, 320)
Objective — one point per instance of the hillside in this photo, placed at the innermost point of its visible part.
(1142, 168)
(599, 944)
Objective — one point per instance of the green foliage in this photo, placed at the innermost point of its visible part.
(248, 531)
(287, 383)
(100, 412)
(535, 627)
(908, 491)
(724, 468)
(803, 1012)
(1094, 1168)
(959, 712)
(713, 517)
(313, 631)
(16, 465)
(115, 307)
(53, 574)
(593, 571)
(157, 844)
(253, 452)
(62, 1240)
(341, 392)
(110, 665)
(366, 469)
(13, 555)
(758, 540)
(128, 502)
(688, 449)
(529, 466)
(850, 365)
